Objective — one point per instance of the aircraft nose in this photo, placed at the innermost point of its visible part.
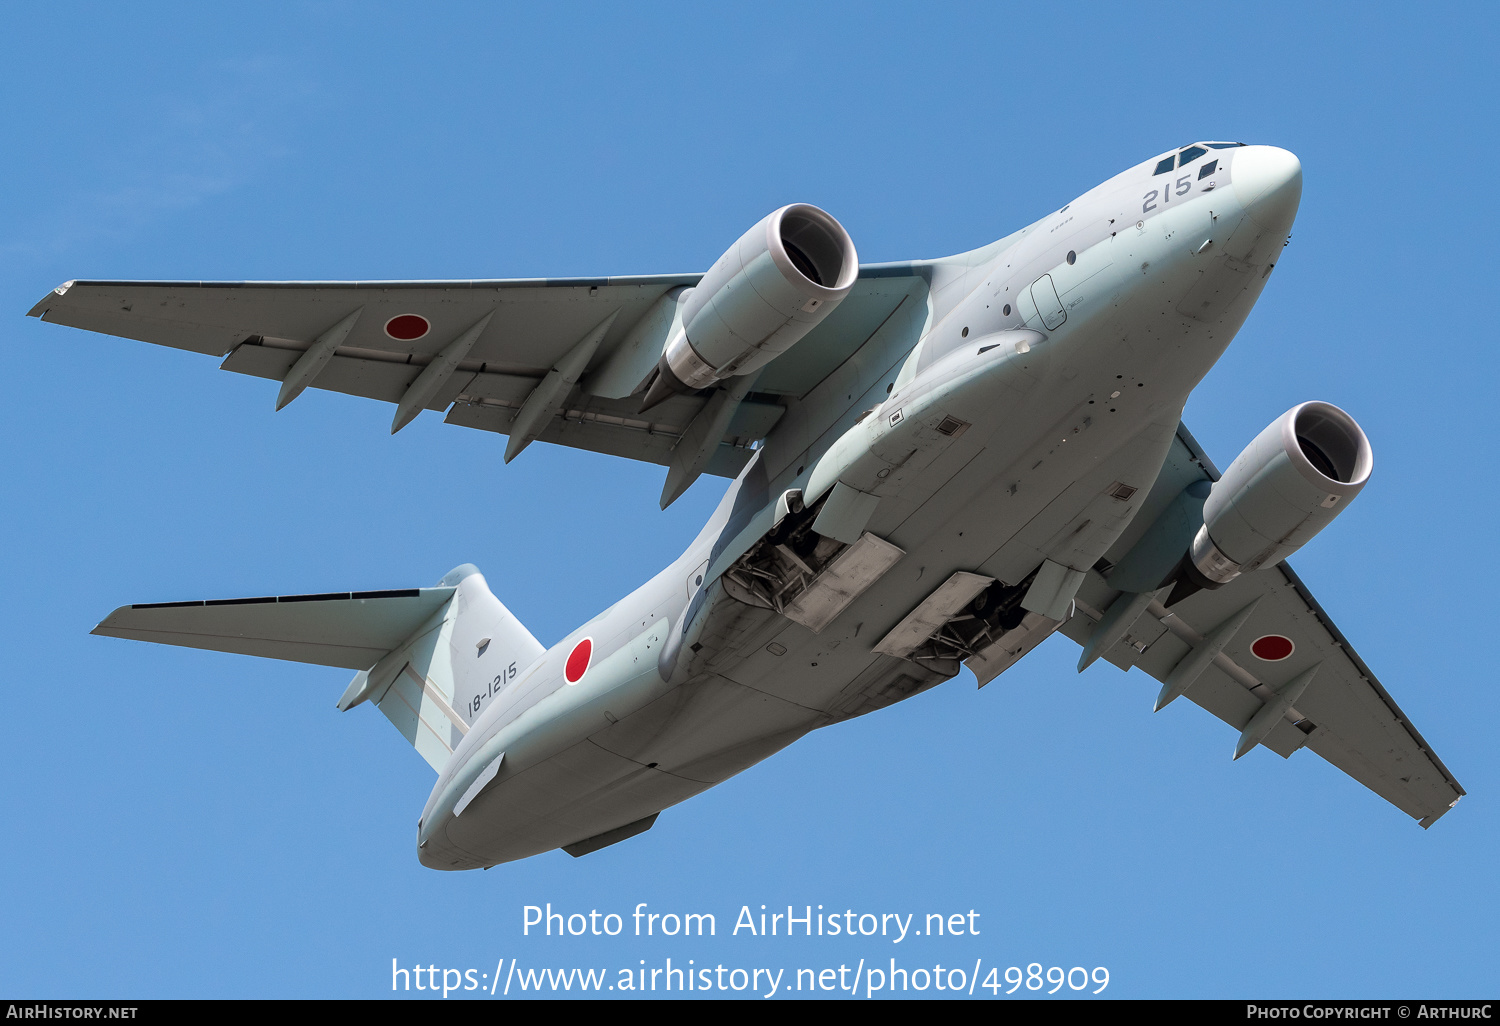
(1268, 182)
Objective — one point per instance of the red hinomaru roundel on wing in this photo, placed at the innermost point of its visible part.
(407, 327)
(578, 661)
(1272, 648)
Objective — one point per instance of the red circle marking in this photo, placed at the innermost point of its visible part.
(1272, 648)
(407, 327)
(578, 661)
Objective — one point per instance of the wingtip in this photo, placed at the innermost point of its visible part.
(45, 303)
(105, 627)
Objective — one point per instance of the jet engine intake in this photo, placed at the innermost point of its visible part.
(759, 299)
(1287, 485)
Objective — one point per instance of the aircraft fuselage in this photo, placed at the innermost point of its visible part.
(1039, 402)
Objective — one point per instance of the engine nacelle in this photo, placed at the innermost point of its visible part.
(760, 298)
(1286, 486)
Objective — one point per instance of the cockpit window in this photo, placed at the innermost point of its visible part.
(1208, 169)
(1190, 154)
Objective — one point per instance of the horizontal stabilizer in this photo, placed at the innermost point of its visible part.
(351, 629)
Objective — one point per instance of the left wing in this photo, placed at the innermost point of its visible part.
(1343, 714)
(352, 630)
(479, 349)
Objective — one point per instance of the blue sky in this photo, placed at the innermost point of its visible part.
(192, 824)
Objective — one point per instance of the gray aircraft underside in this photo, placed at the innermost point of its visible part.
(933, 464)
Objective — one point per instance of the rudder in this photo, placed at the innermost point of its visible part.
(434, 685)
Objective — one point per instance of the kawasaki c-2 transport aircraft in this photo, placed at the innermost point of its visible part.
(934, 464)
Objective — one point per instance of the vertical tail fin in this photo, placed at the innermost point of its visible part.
(434, 685)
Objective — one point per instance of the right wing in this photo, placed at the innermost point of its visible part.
(1345, 714)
